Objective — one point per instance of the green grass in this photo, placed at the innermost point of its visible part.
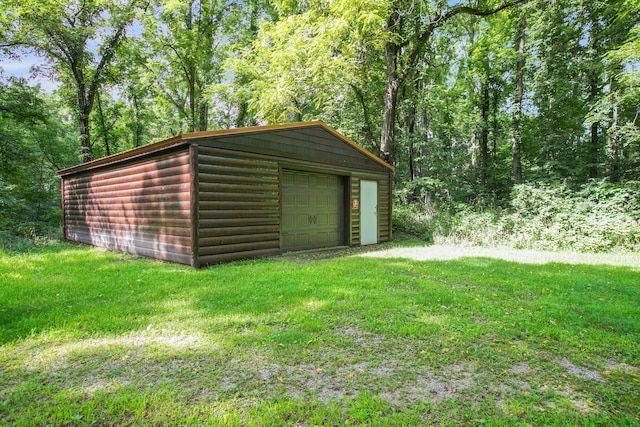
(90, 337)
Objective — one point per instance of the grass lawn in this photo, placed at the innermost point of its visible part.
(90, 337)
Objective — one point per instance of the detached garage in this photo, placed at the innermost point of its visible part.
(209, 197)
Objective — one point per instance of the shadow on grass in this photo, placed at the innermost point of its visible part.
(84, 292)
(92, 332)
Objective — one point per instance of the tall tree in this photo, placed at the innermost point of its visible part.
(77, 39)
(187, 44)
(35, 141)
(408, 34)
(516, 138)
(620, 106)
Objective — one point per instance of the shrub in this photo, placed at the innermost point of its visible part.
(598, 217)
(26, 223)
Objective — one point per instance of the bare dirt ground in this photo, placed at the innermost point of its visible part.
(448, 252)
(440, 252)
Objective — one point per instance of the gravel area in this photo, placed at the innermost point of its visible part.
(447, 252)
(451, 252)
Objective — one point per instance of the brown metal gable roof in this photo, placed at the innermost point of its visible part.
(188, 137)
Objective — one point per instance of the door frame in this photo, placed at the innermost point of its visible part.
(318, 171)
(372, 207)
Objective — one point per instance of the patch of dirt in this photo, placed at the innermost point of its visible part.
(361, 337)
(611, 365)
(453, 252)
(305, 257)
(520, 369)
(432, 386)
(581, 372)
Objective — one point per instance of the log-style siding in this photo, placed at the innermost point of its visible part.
(238, 208)
(355, 211)
(312, 144)
(210, 197)
(142, 208)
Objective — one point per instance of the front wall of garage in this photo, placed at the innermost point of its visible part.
(238, 213)
(253, 205)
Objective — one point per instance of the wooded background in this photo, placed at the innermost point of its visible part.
(480, 105)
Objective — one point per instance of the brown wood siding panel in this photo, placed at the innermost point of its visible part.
(160, 231)
(125, 213)
(140, 208)
(151, 206)
(194, 209)
(231, 213)
(161, 198)
(237, 238)
(239, 214)
(239, 247)
(134, 190)
(106, 220)
(311, 144)
(239, 231)
(133, 246)
(231, 198)
(355, 212)
(125, 187)
(384, 209)
(157, 166)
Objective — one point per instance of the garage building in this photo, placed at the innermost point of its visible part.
(208, 197)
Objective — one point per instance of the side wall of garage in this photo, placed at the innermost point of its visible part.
(140, 207)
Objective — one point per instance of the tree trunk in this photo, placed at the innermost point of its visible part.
(411, 127)
(484, 135)
(192, 101)
(84, 109)
(614, 146)
(137, 125)
(387, 142)
(494, 139)
(103, 123)
(517, 113)
(390, 97)
(204, 116)
(243, 109)
(369, 139)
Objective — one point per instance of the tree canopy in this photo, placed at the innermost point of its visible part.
(473, 97)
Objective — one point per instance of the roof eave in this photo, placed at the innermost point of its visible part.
(187, 138)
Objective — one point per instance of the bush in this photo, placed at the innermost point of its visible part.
(27, 223)
(598, 217)
(409, 219)
(420, 207)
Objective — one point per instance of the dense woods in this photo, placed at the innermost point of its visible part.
(521, 115)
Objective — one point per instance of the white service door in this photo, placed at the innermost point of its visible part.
(368, 212)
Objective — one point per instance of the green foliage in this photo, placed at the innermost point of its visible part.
(599, 217)
(34, 142)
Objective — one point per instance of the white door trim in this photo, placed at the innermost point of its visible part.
(368, 212)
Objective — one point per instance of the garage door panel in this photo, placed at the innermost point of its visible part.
(302, 201)
(312, 210)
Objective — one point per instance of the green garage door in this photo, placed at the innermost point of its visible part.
(312, 210)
